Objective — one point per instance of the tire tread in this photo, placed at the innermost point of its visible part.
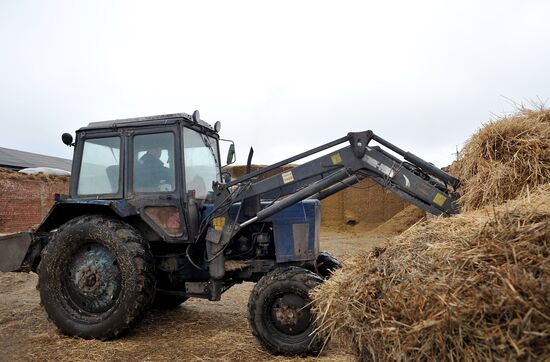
(142, 260)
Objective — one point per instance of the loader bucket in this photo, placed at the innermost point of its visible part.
(13, 249)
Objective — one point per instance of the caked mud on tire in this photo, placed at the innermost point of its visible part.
(96, 277)
(279, 312)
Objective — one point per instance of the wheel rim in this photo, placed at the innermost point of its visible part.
(290, 314)
(93, 281)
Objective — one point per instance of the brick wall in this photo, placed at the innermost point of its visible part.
(25, 200)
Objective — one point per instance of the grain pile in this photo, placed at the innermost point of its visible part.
(400, 222)
(475, 286)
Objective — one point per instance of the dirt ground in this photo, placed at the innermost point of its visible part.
(198, 330)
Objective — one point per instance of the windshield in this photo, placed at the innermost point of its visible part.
(200, 153)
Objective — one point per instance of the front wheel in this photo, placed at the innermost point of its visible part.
(96, 277)
(280, 314)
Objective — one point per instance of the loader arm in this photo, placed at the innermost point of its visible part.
(411, 178)
(401, 172)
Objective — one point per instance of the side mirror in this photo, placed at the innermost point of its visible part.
(67, 139)
(231, 154)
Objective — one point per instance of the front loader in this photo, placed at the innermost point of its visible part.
(151, 220)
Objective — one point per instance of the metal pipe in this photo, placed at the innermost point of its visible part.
(350, 181)
(289, 160)
(248, 222)
(388, 145)
(417, 161)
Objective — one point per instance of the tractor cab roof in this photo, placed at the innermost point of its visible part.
(147, 121)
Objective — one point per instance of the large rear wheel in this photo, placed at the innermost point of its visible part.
(96, 277)
(280, 314)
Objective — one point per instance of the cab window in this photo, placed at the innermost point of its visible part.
(200, 154)
(154, 162)
(100, 167)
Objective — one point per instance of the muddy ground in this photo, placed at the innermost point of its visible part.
(197, 330)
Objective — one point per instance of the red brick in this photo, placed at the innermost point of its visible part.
(24, 201)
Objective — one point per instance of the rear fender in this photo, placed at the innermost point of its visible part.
(65, 210)
(28, 246)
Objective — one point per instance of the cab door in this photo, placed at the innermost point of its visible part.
(154, 181)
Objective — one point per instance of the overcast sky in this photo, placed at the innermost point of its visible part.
(282, 76)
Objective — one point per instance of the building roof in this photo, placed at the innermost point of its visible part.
(20, 159)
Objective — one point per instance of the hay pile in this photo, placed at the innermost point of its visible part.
(504, 157)
(475, 286)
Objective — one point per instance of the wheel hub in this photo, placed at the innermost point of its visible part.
(290, 314)
(94, 278)
(89, 280)
(287, 315)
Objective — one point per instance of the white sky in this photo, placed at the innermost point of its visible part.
(282, 76)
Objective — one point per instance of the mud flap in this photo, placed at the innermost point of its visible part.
(13, 249)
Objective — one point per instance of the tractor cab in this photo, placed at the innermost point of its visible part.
(158, 169)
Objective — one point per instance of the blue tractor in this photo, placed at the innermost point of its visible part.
(151, 219)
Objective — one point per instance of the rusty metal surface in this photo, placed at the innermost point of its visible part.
(13, 249)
